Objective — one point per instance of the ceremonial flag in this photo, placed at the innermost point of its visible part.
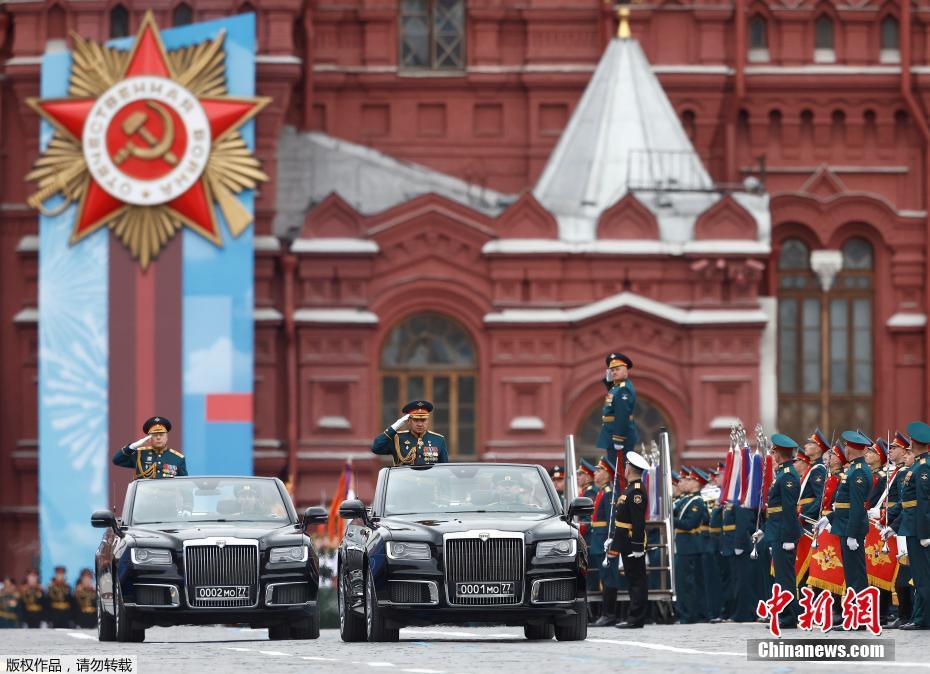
(826, 565)
(344, 490)
(881, 567)
(768, 476)
(803, 558)
(745, 464)
(727, 467)
(750, 497)
(733, 492)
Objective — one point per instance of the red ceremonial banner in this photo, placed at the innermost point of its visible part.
(881, 567)
(803, 560)
(826, 565)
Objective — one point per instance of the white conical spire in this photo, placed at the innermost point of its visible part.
(623, 133)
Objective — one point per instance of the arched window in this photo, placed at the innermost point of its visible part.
(689, 123)
(823, 40)
(889, 41)
(182, 15)
(119, 22)
(649, 419)
(825, 360)
(758, 39)
(432, 34)
(431, 356)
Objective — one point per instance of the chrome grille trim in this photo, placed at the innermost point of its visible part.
(234, 562)
(538, 590)
(431, 588)
(271, 590)
(484, 555)
(175, 598)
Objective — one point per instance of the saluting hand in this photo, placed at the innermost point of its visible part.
(140, 442)
(400, 422)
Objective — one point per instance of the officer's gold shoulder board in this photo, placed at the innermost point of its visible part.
(176, 453)
(435, 433)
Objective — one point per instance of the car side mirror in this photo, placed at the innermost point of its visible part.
(353, 509)
(315, 515)
(104, 519)
(580, 507)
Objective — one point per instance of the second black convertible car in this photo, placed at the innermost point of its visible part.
(461, 543)
(204, 550)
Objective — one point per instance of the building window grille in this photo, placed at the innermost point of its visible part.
(432, 34)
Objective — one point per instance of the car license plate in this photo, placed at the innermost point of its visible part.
(220, 592)
(484, 589)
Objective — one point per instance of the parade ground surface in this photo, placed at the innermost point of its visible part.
(700, 648)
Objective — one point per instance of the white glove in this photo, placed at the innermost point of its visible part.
(886, 533)
(757, 535)
(737, 551)
(607, 376)
(787, 546)
(637, 554)
(607, 544)
(400, 422)
(822, 523)
(140, 442)
(924, 542)
(853, 544)
(875, 513)
(902, 546)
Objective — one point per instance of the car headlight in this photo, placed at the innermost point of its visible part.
(150, 556)
(563, 548)
(295, 553)
(399, 550)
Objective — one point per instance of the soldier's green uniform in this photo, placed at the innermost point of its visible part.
(729, 578)
(85, 601)
(753, 581)
(915, 523)
(409, 449)
(607, 576)
(618, 430)
(151, 463)
(590, 492)
(688, 516)
(32, 600)
(782, 526)
(9, 607)
(849, 518)
(60, 609)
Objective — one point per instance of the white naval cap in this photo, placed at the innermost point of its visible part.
(637, 460)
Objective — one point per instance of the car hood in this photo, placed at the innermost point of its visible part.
(432, 526)
(174, 535)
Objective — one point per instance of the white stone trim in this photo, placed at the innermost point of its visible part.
(649, 306)
(907, 320)
(28, 244)
(267, 243)
(266, 315)
(334, 422)
(725, 423)
(27, 315)
(278, 58)
(626, 247)
(336, 316)
(527, 424)
(823, 69)
(334, 245)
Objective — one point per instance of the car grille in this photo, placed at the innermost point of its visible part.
(562, 589)
(289, 593)
(215, 566)
(486, 559)
(406, 592)
(153, 595)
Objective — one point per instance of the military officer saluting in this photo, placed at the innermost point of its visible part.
(415, 445)
(150, 456)
(618, 430)
(630, 539)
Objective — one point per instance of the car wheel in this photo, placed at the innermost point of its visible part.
(575, 629)
(374, 620)
(123, 622)
(106, 625)
(351, 625)
(309, 627)
(539, 632)
(279, 632)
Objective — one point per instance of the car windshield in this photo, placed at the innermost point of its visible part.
(214, 499)
(467, 488)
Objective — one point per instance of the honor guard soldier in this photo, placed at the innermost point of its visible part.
(813, 483)
(85, 600)
(150, 456)
(915, 523)
(9, 604)
(415, 445)
(59, 600)
(557, 474)
(782, 529)
(630, 539)
(607, 576)
(618, 430)
(32, 598)
(903, 460)
(586, 488)
(849, 520)
(688, 516)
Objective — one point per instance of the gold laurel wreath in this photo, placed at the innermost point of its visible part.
(231, 168)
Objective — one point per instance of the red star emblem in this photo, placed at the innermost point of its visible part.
(147, 140)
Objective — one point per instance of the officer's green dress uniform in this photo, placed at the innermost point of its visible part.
(618, 430)
(717, 604)
(709, 572)
(9, 608)
(915, 522)
(688, 516)
(33, 601)
(607, 576)
(409, 449)
(85, 606)
(782, 526)
(60, 608)
(630, 537)
(588, 492)
(150, 463)
(893, 515)
(752, 575)
(729, 577)
(850, 518)
(816, 480)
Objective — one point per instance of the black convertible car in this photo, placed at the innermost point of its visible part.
(204, 550)
(461, 543)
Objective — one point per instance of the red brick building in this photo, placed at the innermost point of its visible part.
(467, 276)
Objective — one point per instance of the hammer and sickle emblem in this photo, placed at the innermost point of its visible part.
(157, 148)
